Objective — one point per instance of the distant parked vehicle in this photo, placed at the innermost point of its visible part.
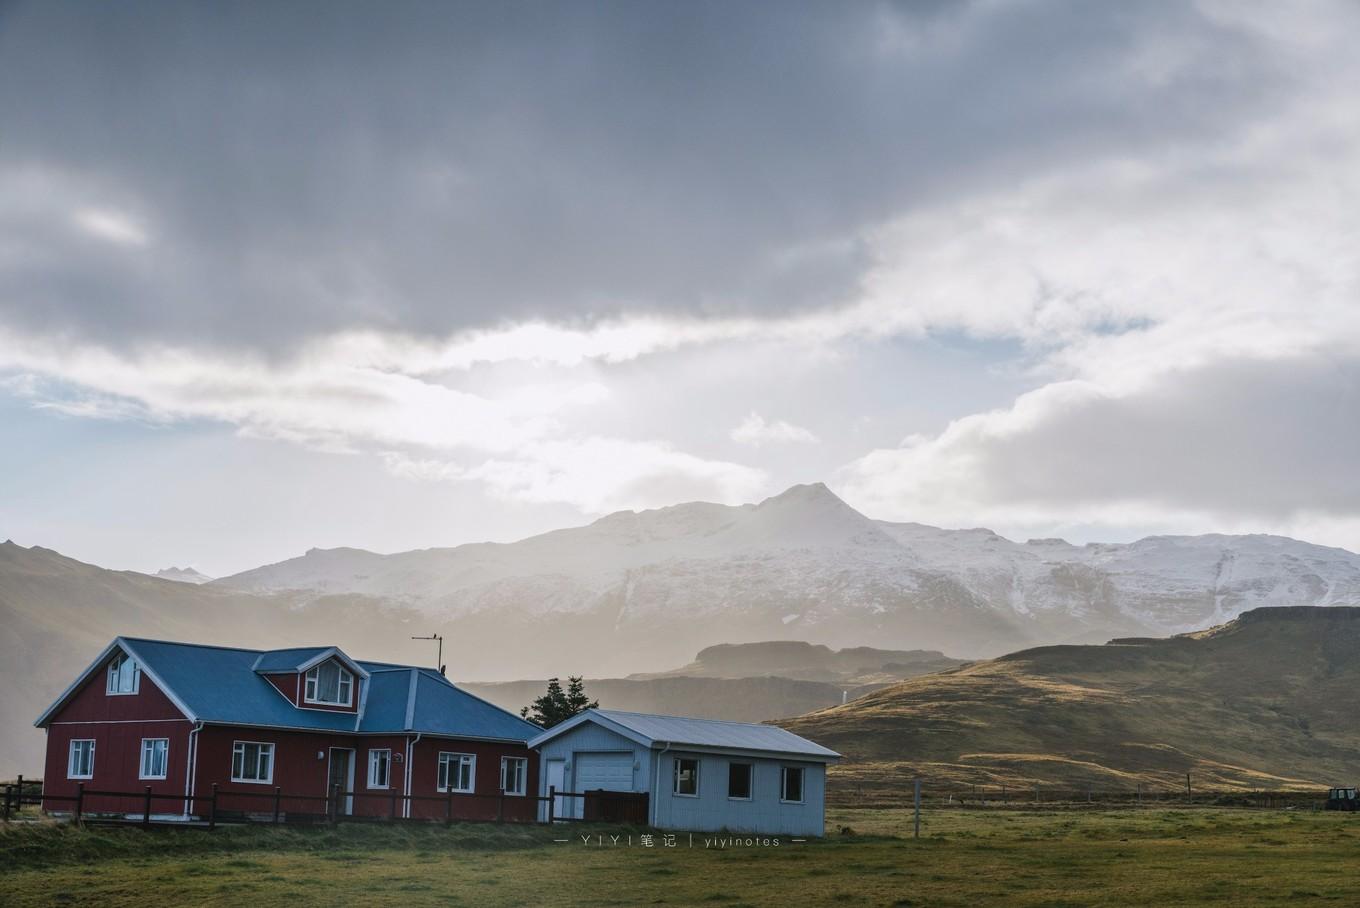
(1342, 799)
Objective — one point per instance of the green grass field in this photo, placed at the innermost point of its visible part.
(965, 858)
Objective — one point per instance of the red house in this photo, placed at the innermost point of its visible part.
(182, 717)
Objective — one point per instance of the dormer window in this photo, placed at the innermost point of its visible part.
(123, 675)
(330, 684)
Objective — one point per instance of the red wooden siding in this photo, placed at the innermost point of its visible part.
(92, 703)
(486, 781)
(286, 683)
(299, 771)
(117, 724)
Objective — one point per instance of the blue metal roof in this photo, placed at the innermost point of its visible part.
(222, 685)
(654, 731)
(286, 660)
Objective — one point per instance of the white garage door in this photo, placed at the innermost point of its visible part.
(610, 771)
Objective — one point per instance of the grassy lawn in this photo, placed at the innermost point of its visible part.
(965, 858)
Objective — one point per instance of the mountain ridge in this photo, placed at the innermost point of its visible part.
(805, 565)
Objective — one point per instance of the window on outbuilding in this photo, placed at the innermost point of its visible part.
(329, 683)
(379, 768)
(456, 772)
(123, 675)
(739, 781)
(686, 776)
(791, 785)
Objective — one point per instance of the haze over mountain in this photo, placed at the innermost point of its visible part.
(58, 613)
(1264, 701)
(635, 590)
(184, 575)
(640, 593)
(745, 682)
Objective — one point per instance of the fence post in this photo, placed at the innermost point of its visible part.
(1188, 793)
(916, 801)
(80, 800)
(19, 795)
(552, 803)
(1090, 790)
(393, 811)
(500, 807)
(1140, 794)
(6, 803)
(448, 806)
(146, 807)
(333, 808)
(1005, 798)
(212, 807)
(277, 792)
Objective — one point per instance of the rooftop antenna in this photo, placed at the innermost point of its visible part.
(440, 660)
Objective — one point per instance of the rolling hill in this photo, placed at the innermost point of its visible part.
(1264, 701)
(749, 682)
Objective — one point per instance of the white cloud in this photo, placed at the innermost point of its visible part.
(113, 226)
(596, 475)
(755, 430)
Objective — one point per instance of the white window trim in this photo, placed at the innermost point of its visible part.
(262, 744)
(524, 778)
(136, 677)
(472, 772)
(373, 765)
(802, 785)
(750, 780)
(141, 762)
(70, 758)
(675, 778)
(311, 681)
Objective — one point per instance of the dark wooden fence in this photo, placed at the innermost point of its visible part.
(269, 806)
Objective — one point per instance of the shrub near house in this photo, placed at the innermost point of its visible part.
(181, 717)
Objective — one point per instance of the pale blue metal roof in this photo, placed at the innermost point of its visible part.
(656, 731)
(223, 685)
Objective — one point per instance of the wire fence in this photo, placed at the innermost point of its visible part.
(1058, 794)
(149, 807)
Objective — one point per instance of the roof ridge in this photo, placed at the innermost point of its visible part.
(232, 649)
(629, 712)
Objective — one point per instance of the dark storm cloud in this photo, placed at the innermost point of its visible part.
(300, 168)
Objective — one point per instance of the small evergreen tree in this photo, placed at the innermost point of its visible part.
(557, 706)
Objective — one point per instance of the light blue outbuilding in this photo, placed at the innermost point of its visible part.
(702, 775)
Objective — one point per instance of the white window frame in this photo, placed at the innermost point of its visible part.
(345, 687)
(149, 745)
(449, 763)
(111, 686)
(750, 780)
(675, 778)
(241, 746)
(385, 755)
(523, 775)
(784, 786)
(71, 759)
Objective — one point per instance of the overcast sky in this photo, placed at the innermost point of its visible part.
(275, 276)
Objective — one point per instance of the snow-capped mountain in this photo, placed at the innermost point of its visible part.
(804, 565)
(183, 575)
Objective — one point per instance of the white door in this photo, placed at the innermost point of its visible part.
(557, 778)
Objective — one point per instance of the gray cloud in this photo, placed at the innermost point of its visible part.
(301, 168)
(1266, 440)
